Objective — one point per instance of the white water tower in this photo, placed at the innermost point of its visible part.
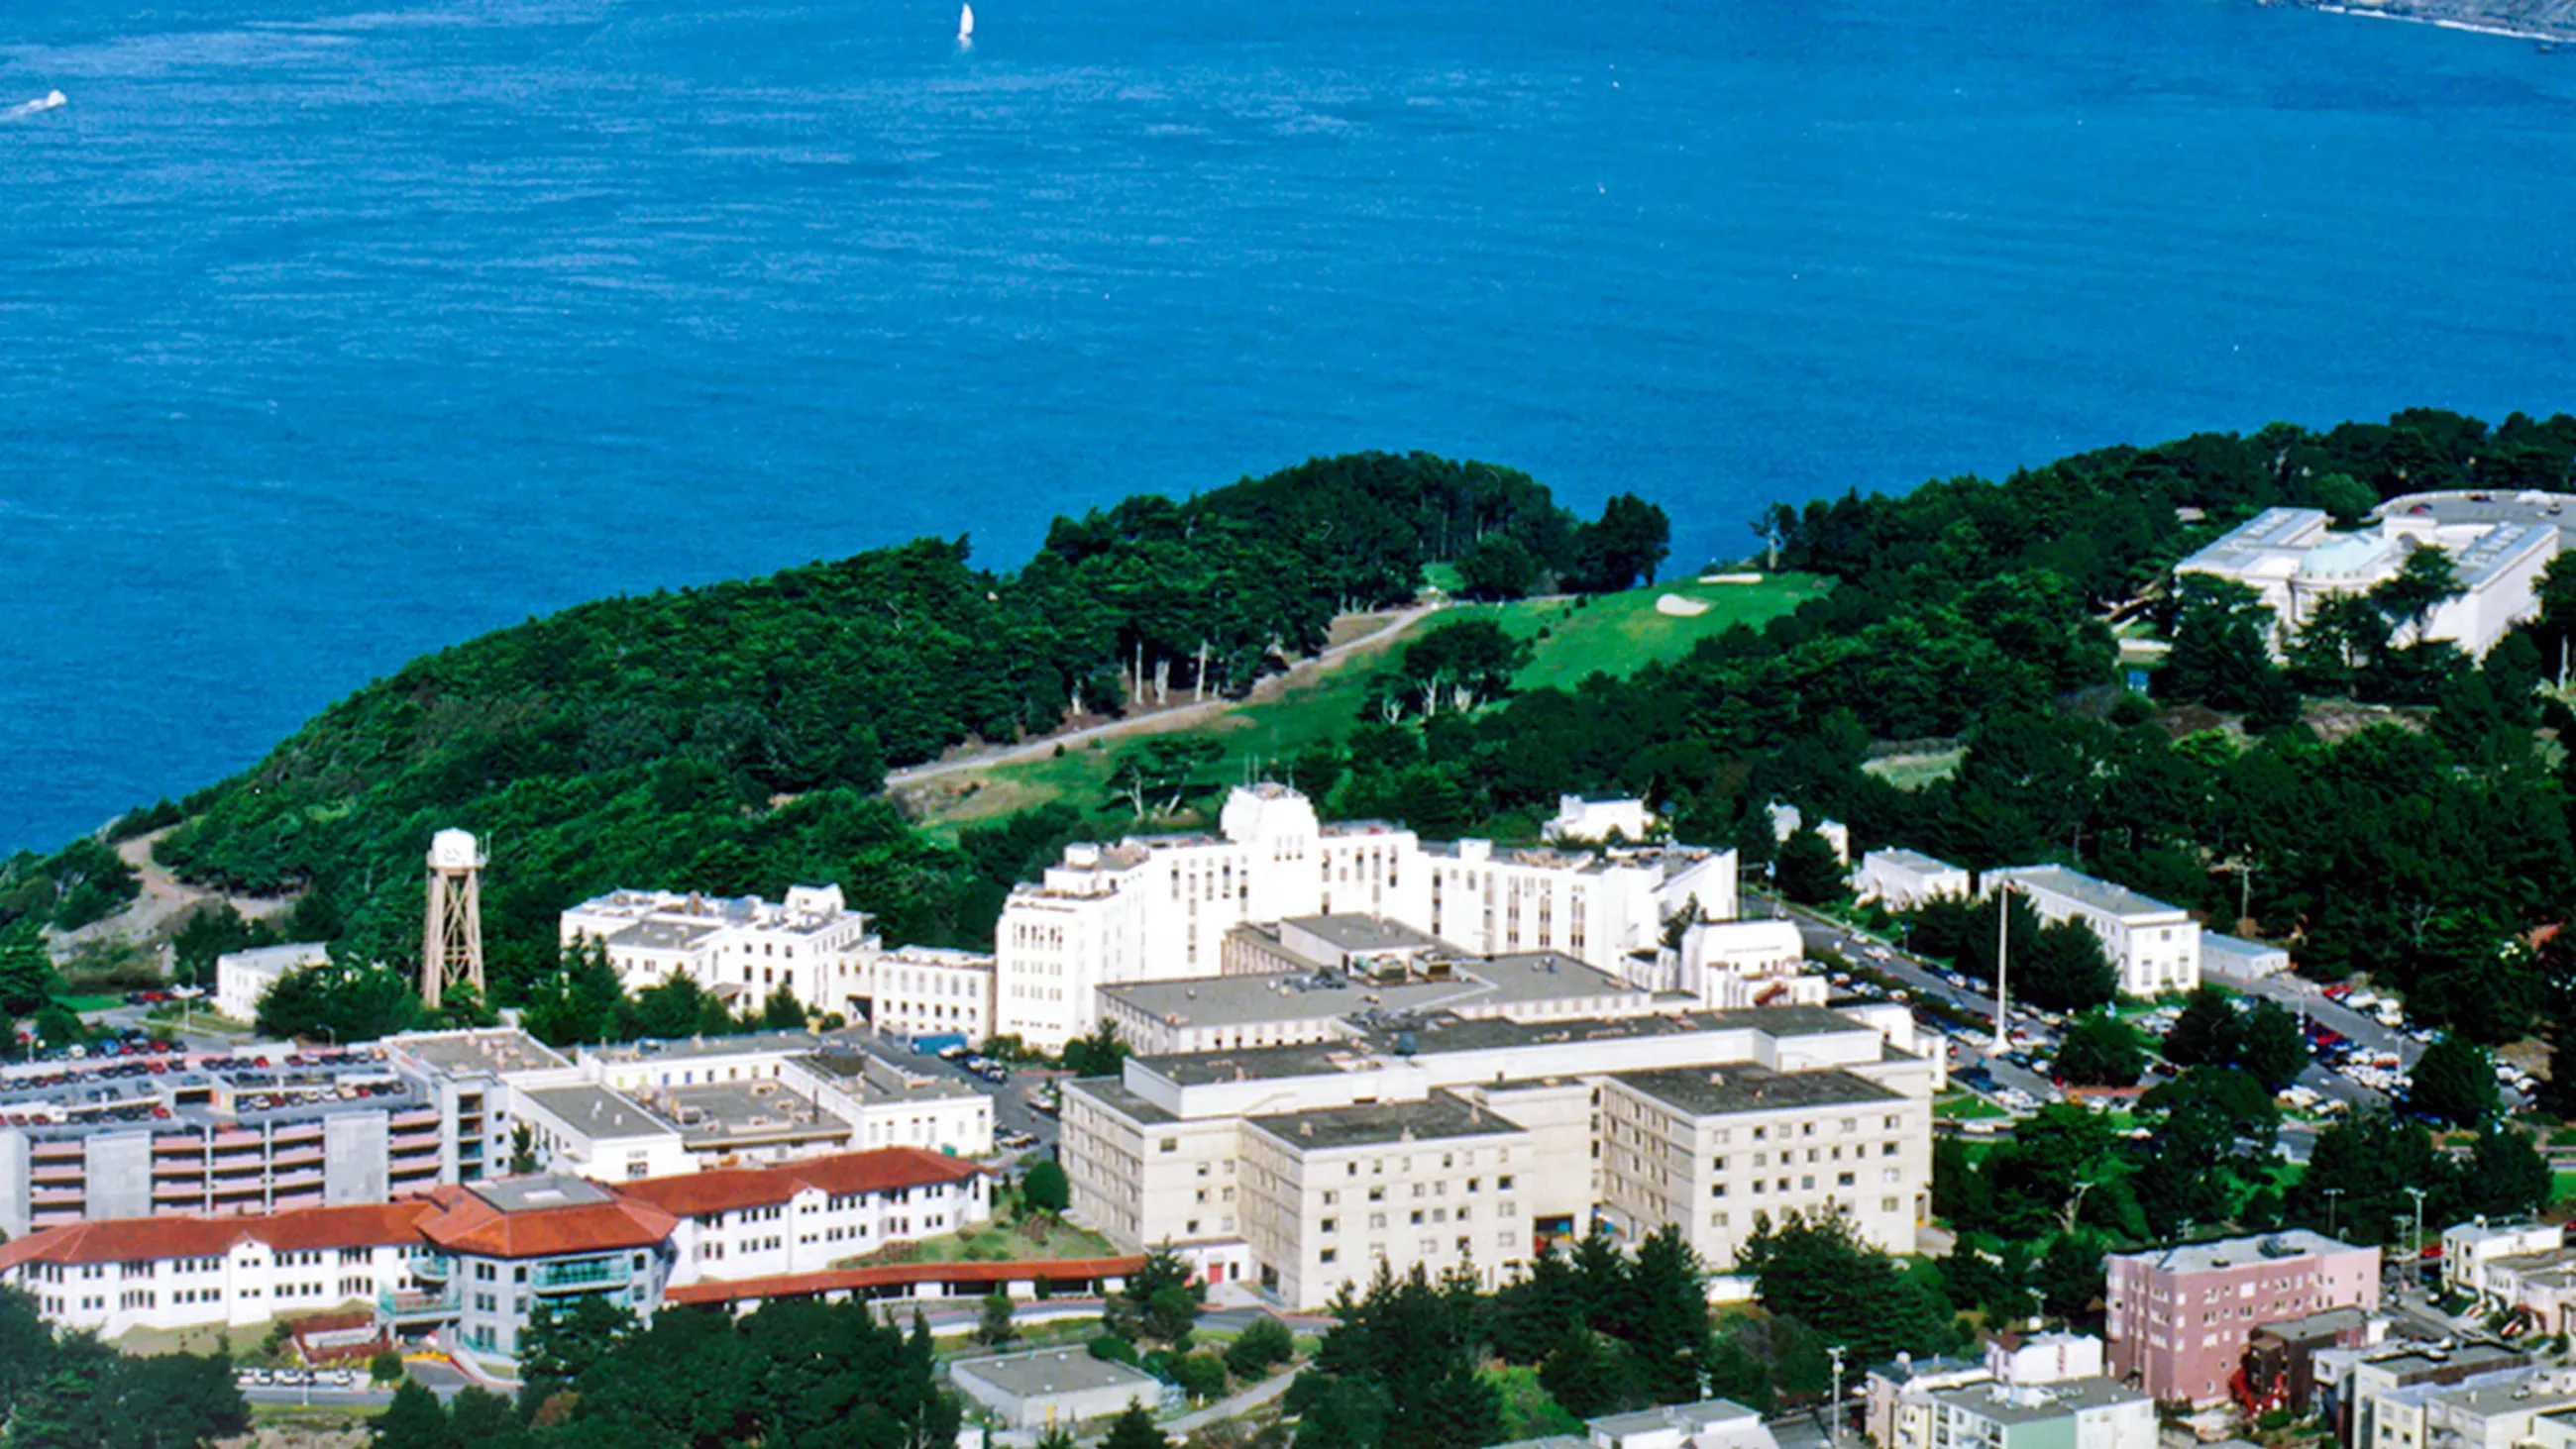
(451, 942)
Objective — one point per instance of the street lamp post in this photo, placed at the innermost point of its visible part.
(1836, 1353)
(2417, 1193)
(2332, 1194)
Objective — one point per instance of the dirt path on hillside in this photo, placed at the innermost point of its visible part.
(163, 902)
(1161, 721)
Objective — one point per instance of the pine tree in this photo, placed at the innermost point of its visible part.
(1134, 1429)
(995, 1327)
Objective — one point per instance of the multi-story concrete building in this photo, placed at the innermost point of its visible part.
(915, 991)
(2294, 560)
(1711, 1149)
(1729, 965)
(2180, 1318)
(1277, 1163)
(1161, 907)
(2155, 947)
(508, 1246)
(243, 1133)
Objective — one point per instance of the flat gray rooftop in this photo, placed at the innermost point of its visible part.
(1363, 933)
(598, 1113)
(1112, 1093)
(1913, 860)
(500, 1049)
(523, 1194)
(2099, 895)
(1734, 1090)
(656, 935)
(1276, 996)
(765, 1111)
(1439, 1117)
(1055, 1371)
(2240, 1252)
(874, 1077)
(687, 1048)
(1440, 1034)
(1537, 976)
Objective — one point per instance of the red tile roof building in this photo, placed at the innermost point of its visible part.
(472, 1262)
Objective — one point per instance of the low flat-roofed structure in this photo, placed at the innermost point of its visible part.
(1049, 1386)
(738, 1116)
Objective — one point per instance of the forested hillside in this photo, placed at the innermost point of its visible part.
(733, 738)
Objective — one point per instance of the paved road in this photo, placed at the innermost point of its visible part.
(1921, 979)
(1161, 721)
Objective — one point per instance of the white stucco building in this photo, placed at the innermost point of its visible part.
(1901, 880)
(2293, 558)
(1592, 819)
(243, 977)
(2155, 947)
(1161, 907)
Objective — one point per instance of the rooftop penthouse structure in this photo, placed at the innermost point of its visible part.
(2293, 559)
(1156, 908)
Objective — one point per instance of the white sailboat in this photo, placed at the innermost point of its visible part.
(965, 25)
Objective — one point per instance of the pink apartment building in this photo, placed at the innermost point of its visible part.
(2180, 1317)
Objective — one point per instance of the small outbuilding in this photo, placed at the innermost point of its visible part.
(1049, 1386)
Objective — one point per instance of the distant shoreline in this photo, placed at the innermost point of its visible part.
(2473, 25)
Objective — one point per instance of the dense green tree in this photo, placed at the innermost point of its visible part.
(1538, 1307)
(1808, 871)
(1045, 1188)
(2505, 1176)
(1497, 569)
(2267, 1044)
(565, 1339)
(1097, 1055)
(1264, 1344)
(2358, 1174)
(1587, 1374)
(994, 1325)
(1158, 1303)
(1668, 1332)
(2101, 1050)
(72, 1403)
(1815, 1270)
(2424, 582)
(1202, 1375)
(2202, 1031)
(340, 1002)
(2222, 652)
(209, 933)
(27, 979)
(2454, 1081)
(2070, 1277)
(414, 1420)
(782, 1011)
(1623, 549)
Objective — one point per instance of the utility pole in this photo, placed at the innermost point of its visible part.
(2332, 1194)
(1835, 1352)
(2003, 949)
(2417, 1193)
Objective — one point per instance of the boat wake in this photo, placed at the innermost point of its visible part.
(50, 101)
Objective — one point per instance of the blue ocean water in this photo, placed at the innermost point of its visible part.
(335, 330)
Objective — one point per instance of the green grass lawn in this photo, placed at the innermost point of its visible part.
(1619, 634)
(1967, 1107)
(1913, 772)
(2562, 1186)
(82, 1005)
(1616, 634)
